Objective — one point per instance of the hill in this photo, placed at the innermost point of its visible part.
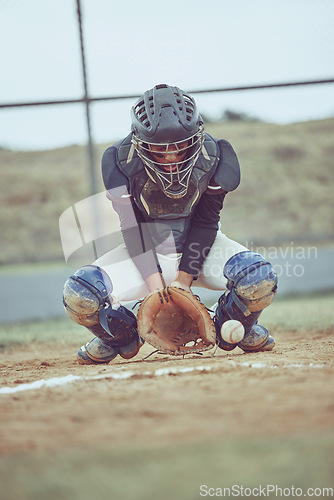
(285, 194)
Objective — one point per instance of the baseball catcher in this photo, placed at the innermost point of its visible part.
(167, 181)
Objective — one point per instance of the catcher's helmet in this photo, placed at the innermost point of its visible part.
(165, 121)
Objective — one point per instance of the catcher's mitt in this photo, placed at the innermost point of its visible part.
(175, 321)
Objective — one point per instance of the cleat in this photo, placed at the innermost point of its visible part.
(96, 352)
(257, 340)
(83, 358)
(269, 345)
(131, 350)
(226, 346)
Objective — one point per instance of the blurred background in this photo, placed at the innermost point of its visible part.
(91, 59)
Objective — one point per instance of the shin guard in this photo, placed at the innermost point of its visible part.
(251, 287)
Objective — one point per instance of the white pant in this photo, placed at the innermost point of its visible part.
(128, 284)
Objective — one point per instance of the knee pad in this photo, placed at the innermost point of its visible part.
(120, 325)
(251, 280)
(85, 294)
(86, 299)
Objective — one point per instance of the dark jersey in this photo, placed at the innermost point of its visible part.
(148, 218)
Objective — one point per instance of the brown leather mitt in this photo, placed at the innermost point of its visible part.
(175, 321)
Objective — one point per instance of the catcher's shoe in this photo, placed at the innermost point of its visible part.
(258, 339)
(131, 350)
(96, 352)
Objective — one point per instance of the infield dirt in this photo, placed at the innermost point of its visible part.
(167, 399)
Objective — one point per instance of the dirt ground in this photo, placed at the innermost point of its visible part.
(287, 391)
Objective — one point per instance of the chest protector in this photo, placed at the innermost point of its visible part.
(150, 199)
(167, 214)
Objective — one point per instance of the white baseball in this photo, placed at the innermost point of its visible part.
(232, 331)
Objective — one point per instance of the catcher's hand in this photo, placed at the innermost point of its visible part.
(175, 321)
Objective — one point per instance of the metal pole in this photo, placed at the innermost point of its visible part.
(95, 215)
(87, 102)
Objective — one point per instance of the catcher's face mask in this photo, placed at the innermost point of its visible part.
(168, 136)
(170, 164)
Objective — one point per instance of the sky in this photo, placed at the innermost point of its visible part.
(132, 46)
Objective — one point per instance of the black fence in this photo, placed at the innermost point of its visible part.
(87, 99)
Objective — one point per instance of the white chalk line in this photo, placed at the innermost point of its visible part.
(292, 365)
(127, 374)
(68, 379)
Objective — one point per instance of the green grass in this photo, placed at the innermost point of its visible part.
(151, 471)
(287, 314)
(285, 194)
(63, 331)
(310, 312)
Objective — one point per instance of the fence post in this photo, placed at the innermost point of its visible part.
(87, 104)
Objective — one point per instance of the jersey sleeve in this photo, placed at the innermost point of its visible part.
(137, 237)
(202, 233)
(205, 222)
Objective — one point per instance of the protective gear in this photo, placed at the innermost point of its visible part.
(227, 174)
(167, 118)
(85, 294)
(124, 173)
(130, 350)
(151, 198)
(95, 352)
(174, 321)
(87, 301)
(126, 180)
(258, 339)
(252, 285)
